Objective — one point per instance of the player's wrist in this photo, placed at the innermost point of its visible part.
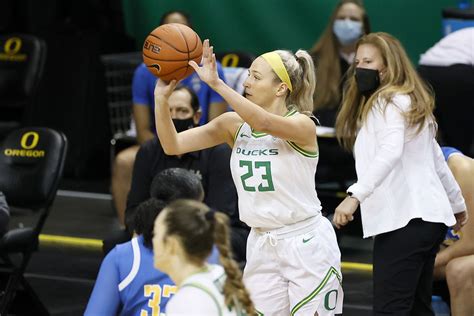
(352, 196)
(216, 84)
(161, 100)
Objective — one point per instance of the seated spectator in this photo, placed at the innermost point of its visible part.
(211, 103)
(127, 283)
(4, 214)
(333, 53)
(455, 261)
(448, 67)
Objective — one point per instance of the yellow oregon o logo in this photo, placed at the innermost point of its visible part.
(230, 60)
(34, 141)
(12, 45)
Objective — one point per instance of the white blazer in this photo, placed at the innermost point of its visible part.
(401, 174)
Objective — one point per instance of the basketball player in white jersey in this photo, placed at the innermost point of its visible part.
(293, 260)
(184, 235)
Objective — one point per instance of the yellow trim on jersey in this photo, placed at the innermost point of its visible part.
(304, 152)
(258, 134)
(237, 132)
(290, 113)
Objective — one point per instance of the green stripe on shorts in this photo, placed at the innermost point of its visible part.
(318, 289)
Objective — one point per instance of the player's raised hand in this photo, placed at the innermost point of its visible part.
(164, 89)
(208, 69)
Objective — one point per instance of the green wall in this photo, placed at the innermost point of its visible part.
(262, 25)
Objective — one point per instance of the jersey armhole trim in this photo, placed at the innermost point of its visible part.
(237, 132)
(306, 153)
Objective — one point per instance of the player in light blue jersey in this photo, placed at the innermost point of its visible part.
(127, 283)
(293, 260)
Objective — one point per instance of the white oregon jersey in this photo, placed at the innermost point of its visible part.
(274, 179)
(202, 294)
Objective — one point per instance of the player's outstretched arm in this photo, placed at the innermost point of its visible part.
(299, 129)
(218, 131)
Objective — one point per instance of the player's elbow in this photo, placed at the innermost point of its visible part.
(261, 124)
(170, 150)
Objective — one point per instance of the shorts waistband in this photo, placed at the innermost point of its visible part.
(299, 228)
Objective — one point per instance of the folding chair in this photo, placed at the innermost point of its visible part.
(31, 165)
(119, 70)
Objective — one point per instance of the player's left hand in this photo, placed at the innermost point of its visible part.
(208, 70)
(345, 211)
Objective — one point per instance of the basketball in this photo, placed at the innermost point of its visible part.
(168, 49)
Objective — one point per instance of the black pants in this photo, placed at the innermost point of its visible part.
(403, 268)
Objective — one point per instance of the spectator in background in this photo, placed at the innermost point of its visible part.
(455, 262)
(4, 214)
(333, 53)
(127, 283)
(449, 68)
(143, 85)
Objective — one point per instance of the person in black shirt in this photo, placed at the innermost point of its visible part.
(210, 165)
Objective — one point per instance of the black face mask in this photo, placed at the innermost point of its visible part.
(183, 125)
(368, 80)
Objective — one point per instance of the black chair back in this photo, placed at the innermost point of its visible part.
(31, 163)
(22, 60)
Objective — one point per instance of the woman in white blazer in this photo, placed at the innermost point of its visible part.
(407, 194)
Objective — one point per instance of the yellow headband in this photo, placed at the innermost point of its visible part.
(278, 67)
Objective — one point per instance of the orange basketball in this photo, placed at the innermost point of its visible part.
(169, 48)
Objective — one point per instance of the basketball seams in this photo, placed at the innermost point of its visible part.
(167, 60)
(187, 45)
(197, 40)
